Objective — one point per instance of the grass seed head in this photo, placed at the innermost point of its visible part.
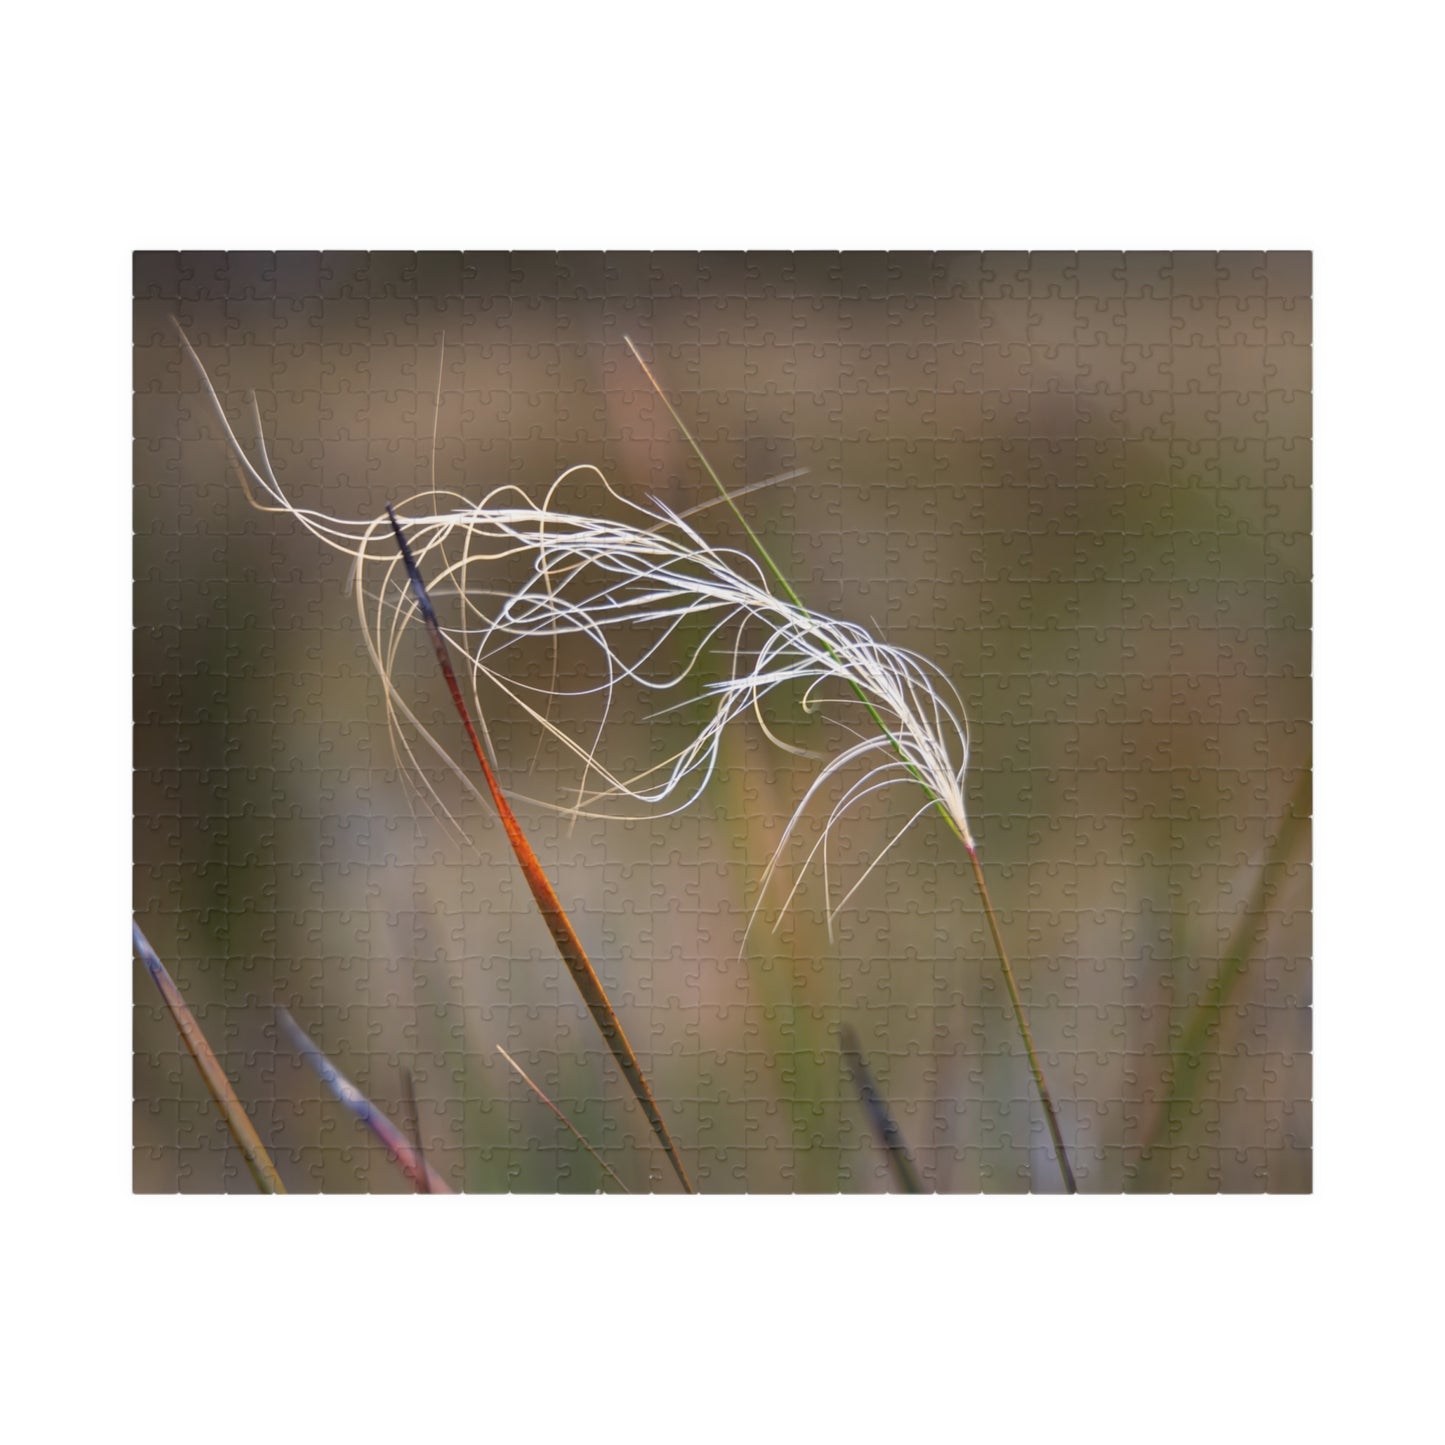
(653, 598)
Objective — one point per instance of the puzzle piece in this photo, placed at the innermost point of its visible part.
(1079, 484)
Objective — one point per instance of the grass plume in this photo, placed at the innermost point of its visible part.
(628, 584)
(248, 1141)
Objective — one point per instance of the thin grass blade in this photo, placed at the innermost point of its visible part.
(581, 1139)
(413, 1118)
(397, 1145)
(884, 1125)
(248, 1141)
(1187, 1057)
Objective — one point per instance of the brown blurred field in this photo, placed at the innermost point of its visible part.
(1080, 483)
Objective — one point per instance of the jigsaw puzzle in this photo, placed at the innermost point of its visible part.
(890, 677)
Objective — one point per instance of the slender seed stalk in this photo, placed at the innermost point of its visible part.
(961, 833)
(579, 965)
(253, 1151)
(1023, 1022)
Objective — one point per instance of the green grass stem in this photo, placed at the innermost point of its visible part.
(1021, 1018)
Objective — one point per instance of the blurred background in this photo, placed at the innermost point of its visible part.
(1079, 482)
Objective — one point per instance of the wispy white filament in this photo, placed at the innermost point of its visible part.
(627, 585)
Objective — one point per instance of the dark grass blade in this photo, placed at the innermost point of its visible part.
(579, 965)
(413, 1118)
(398, 1146)
(248, 1141)
(581, 1139)
(880, 1119)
